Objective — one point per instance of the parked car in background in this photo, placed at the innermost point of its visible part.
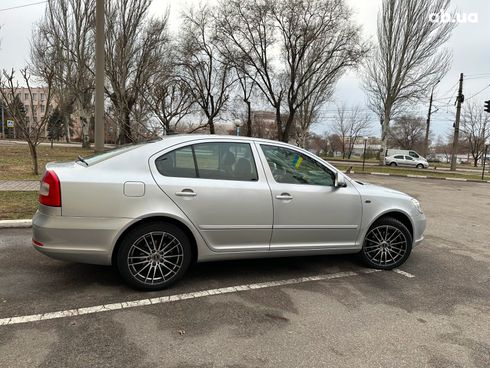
(405, 160)
(152, 209)
(434, 158)
(411, 153)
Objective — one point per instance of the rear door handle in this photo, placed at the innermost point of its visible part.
(186, 193)
(284, 196)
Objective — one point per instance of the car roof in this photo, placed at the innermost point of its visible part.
(168, 141)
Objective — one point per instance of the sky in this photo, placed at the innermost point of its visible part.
(469, 44)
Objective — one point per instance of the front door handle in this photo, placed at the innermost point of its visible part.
(284, 196)
(186, 193)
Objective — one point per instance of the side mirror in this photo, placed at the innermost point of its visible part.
(339, 180)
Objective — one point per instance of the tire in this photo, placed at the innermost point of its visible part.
(393, 164)
(420, 166)
(154, 256)
(376, 251)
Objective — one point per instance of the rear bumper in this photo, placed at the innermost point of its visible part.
(76, 239)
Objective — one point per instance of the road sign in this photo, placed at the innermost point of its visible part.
(10, 123)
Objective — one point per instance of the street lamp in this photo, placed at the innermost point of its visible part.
(484, 160)
(364, 154)
(427, 129)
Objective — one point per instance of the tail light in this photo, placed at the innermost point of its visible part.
(50, 192)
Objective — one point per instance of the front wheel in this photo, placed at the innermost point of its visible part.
(387, 244)
(420, 166)
(153, 256)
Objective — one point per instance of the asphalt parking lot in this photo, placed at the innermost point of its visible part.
(329, 312)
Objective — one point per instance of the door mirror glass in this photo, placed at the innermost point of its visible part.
(340, 180)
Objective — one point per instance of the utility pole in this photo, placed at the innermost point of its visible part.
(459, 100)
(427, 129)
(99, 76)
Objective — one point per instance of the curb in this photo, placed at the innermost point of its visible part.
(418, 177)
(15, 224)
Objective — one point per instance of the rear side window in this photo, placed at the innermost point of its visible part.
(222, 161)
(178, 163)
(399, 157)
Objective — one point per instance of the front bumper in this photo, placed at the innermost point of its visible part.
(419, 226)
(76, 239)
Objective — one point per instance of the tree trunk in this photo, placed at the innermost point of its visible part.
(287, 129)
(33, 151)
(249, 119)
(125, 136)
(211, 126)
(384, 136)
(85, 121)
(278, 122)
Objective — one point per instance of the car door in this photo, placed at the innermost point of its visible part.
(222, 191)
(309, 212)
(399, 160)
(410, 161)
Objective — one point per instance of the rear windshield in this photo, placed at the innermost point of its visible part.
(102, 156)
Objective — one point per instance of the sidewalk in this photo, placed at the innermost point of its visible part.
(19, 185)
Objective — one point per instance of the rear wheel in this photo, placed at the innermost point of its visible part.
(153, 256)
(393, 164)
(387, 244)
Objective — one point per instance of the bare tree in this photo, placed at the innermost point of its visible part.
(208, 77)
(316, 42)
(475, 128)
(134, 44)
(407, 132)
(350, 124)
(408, 59)
(65, 41)
(308, 112)
(169, 97)
(31, 130)
(335, 143)
(247, 86)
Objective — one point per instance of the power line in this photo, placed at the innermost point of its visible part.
(477, 93)
(23, 6)
(476, 75)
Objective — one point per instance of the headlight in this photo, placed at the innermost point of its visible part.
(417, 205)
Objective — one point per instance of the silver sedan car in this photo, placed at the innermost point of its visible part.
(152, 209)
(406, 160)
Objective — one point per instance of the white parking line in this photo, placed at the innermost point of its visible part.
(406, 274)
(185, 296)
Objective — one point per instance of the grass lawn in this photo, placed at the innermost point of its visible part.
(16, 163)
(408, 171)
(17, 205)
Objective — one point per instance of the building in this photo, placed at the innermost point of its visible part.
(35, 108)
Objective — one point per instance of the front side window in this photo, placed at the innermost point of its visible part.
(291, 167)
(409, 158)
(220, 160)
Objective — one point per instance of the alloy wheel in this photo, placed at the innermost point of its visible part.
(385, 245)
(155, 257)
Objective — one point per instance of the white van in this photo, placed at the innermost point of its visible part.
(392, 152)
